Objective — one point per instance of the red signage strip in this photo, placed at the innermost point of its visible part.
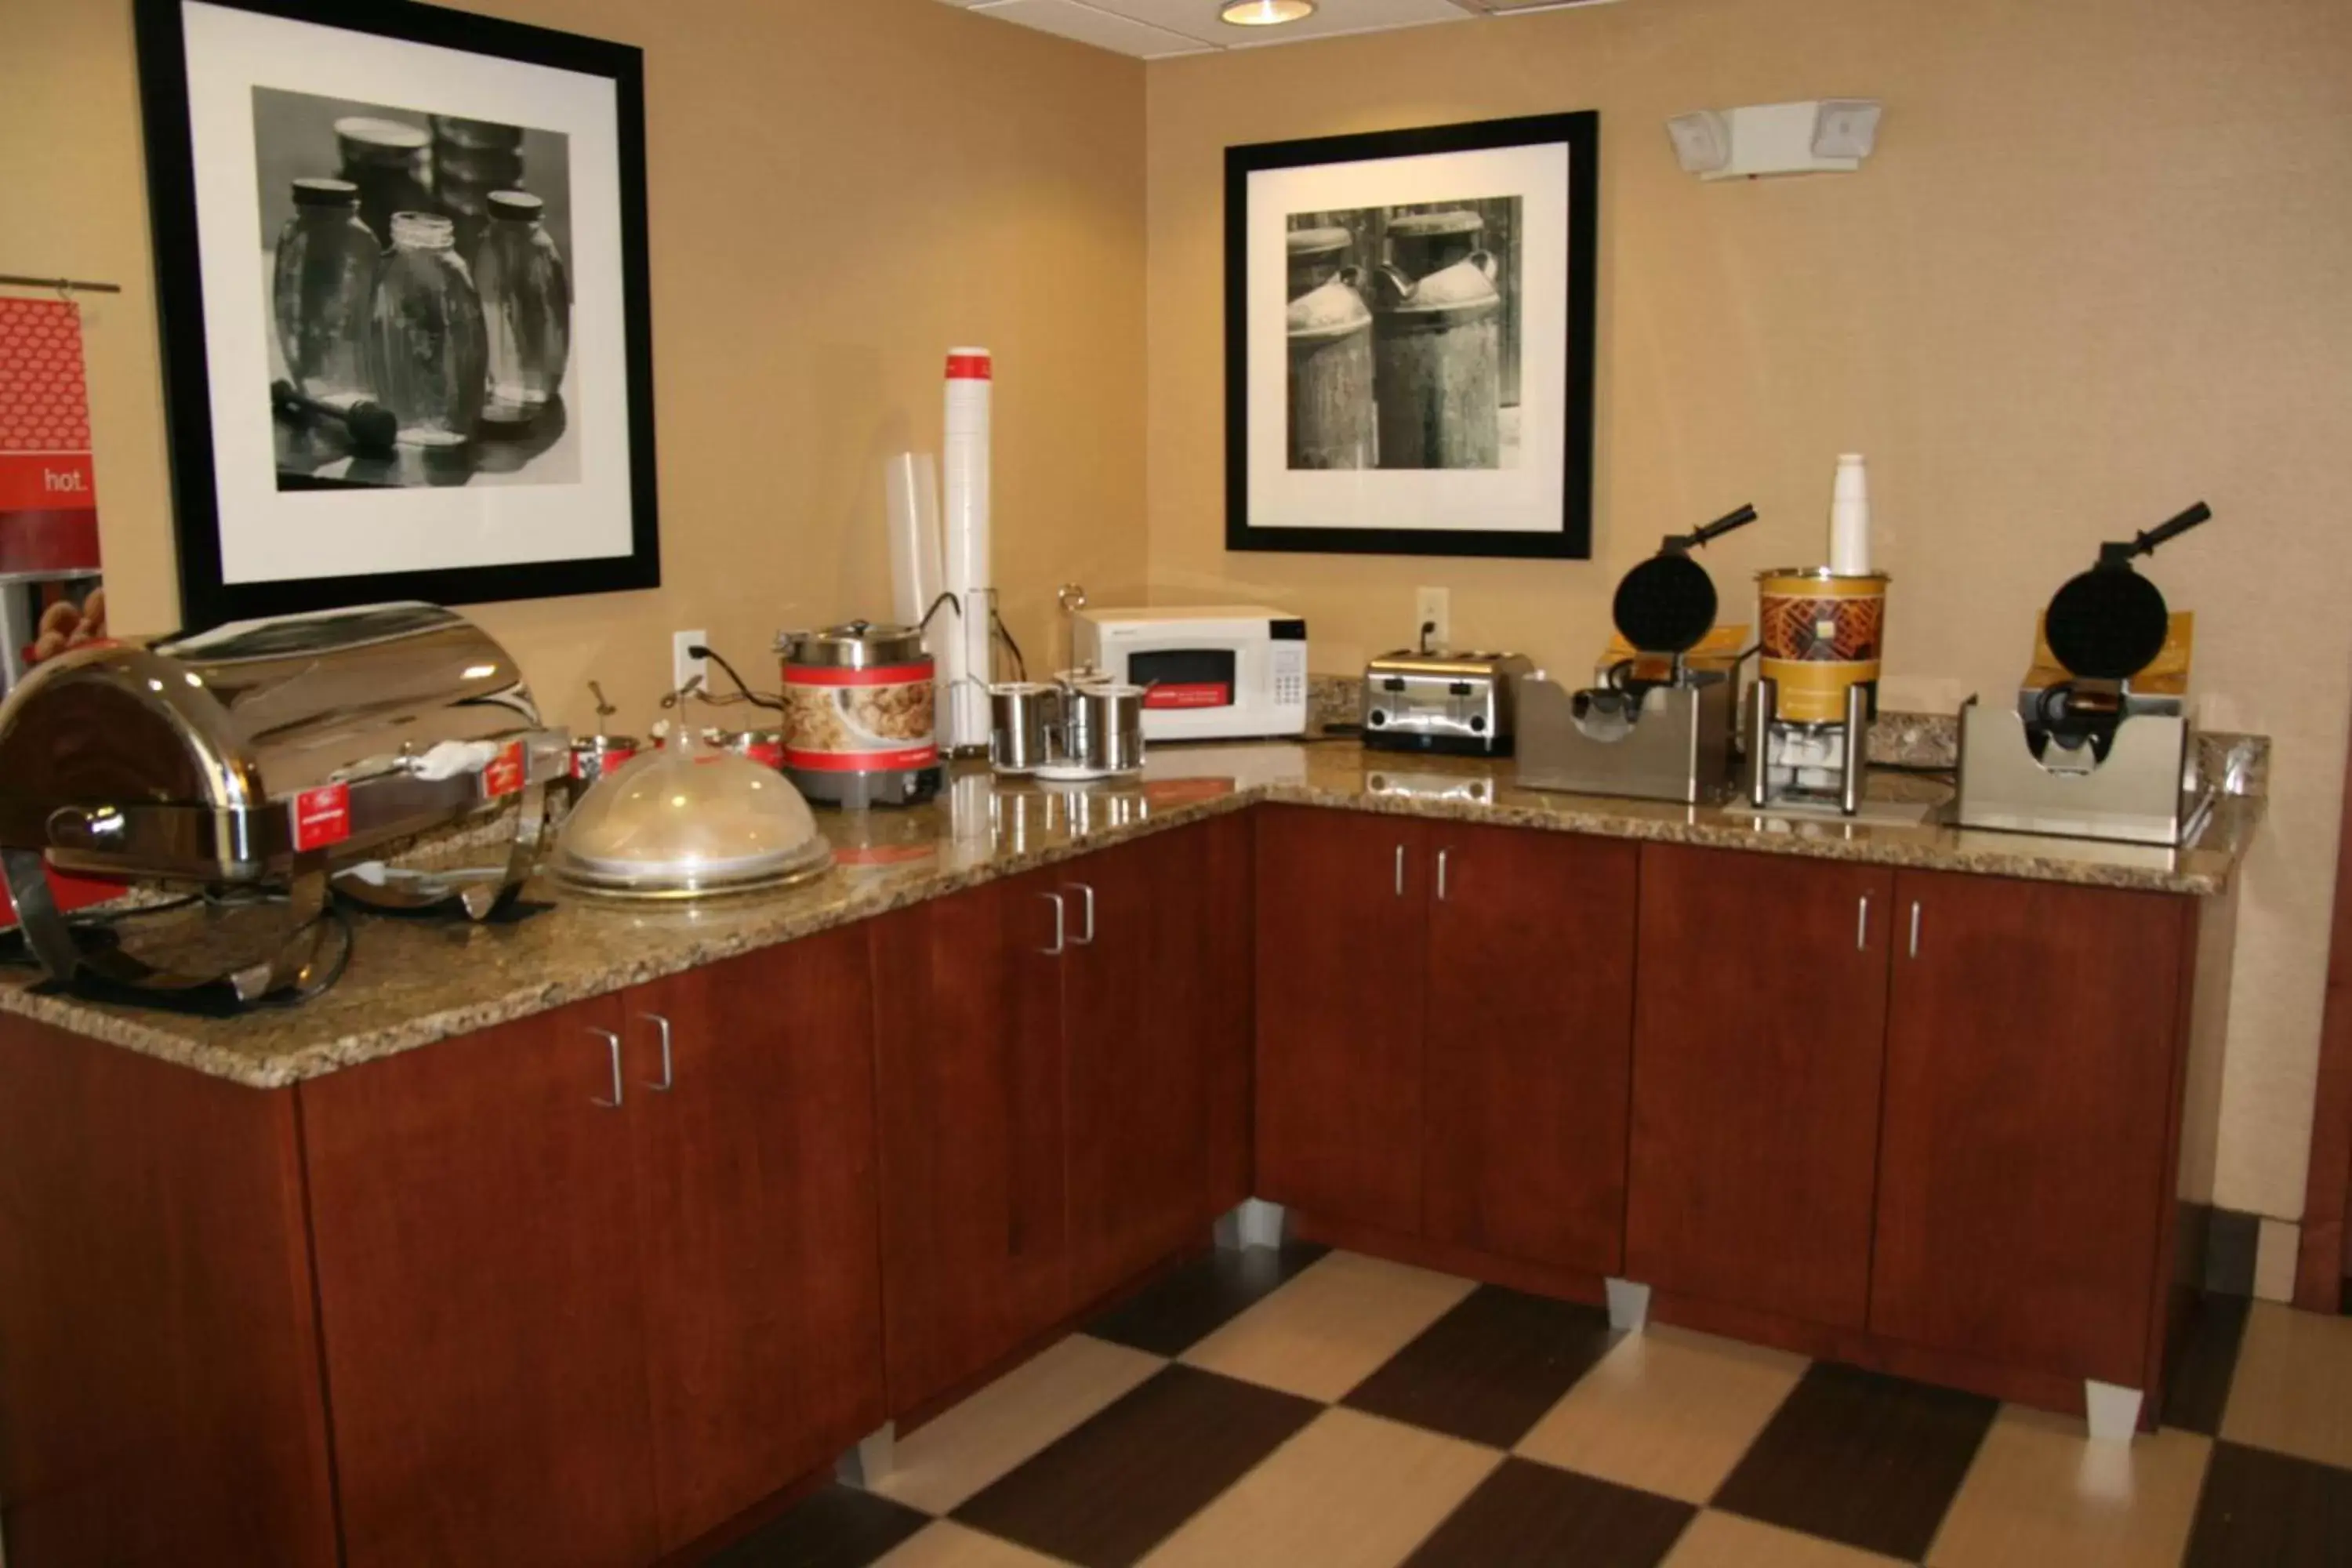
(506, 775)
(862, 761)
(1189, 694)
(323, 816)
(884, 675)
(970, 367)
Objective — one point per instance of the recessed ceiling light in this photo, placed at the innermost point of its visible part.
(1267, 13)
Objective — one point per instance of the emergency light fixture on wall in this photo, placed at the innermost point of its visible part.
(1815, 137)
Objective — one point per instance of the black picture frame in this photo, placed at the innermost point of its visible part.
(1580, 131)
(205, 598)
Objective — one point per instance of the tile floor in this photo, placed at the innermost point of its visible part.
(1302, 1409)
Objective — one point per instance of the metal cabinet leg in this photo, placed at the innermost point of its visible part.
(866, 1464)
(1629, 1306)
(2113, 1412)
(1253, 1222)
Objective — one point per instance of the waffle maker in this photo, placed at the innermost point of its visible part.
(2099, 744)
(1654, 726)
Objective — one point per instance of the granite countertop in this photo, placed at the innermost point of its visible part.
(413, 981)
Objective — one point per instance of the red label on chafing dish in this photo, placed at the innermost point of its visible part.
(506, 775)
(323, 816)
(1189, 694)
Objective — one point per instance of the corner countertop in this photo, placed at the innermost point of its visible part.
(414, 981)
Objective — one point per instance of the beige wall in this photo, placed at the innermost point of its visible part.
(2097, 269)
(838, 194)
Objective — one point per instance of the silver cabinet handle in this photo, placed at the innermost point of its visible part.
(1440, 873)
(669, 1070)
(1400, 871)
(612, 1044)
(1061, 925)
(1862, 925)
(1915, 928)
(1086, 893)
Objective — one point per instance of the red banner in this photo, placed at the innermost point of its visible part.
(48, 491)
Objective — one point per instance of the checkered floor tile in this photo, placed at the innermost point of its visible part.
(1305, 1409)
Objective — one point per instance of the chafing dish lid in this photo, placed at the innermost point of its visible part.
(687, 821)
(257, 711)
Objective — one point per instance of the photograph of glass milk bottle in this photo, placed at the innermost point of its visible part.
(420, 295)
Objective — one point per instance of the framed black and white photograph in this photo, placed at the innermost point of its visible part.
(1408, 341)
(400, 269)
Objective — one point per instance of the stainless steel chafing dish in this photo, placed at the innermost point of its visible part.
(269, 756)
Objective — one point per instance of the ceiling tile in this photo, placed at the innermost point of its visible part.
(1089, 24)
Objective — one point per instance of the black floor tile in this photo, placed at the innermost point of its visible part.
(2267, 1509)
(1860, 1458)
(2198, 1390)
(1112, 1488)
(1489, 1369)
(2230, 1241)
(1531, 1514)
(839, 1527)
(1179, 1311)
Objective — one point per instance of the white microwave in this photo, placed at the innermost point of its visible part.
(1209, 673)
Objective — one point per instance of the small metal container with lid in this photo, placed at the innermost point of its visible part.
(860, 708)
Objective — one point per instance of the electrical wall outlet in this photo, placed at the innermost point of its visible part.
(683, 666)
(1433, 617)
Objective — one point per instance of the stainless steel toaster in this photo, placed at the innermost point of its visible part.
(266, 756)
(1459, 703)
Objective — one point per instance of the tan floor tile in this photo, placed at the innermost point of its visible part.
(2294, 1386)
(979, 1440)
(2041, 1491)
(1328, 1329)
(1668, 1410)
(1349, 1490)
(1728, 1540)
(949, 1545)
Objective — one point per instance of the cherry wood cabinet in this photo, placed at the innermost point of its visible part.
(1529, 1037)
(1342, 936)
(159, 1351)
(969, 1065)
(2033, 1058)
(1148, 1016)
(752, 1086)
(1759, 1027)
(473, 1220)
(1217, 866)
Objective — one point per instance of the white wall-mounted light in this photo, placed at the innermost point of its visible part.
(1267, 13)
(1702, 140)
(1818, 136)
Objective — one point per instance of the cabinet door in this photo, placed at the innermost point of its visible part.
(1216, 864)
(756, 1167)
(1759, 1025)
(2024, 1184)
(1342, 925)
(1138, 1013)
(967, 1040)
(475, 1217)
(1531, 1023)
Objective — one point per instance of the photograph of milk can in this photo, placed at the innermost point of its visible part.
(1439, 388)
(420, 294)
(1409, 339)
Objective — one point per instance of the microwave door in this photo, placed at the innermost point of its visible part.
(1185, 679)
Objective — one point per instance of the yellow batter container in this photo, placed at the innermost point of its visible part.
(1822, 634)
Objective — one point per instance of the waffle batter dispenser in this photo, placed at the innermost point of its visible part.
(1820, 636)
(1656, 725)
(2100, 743)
